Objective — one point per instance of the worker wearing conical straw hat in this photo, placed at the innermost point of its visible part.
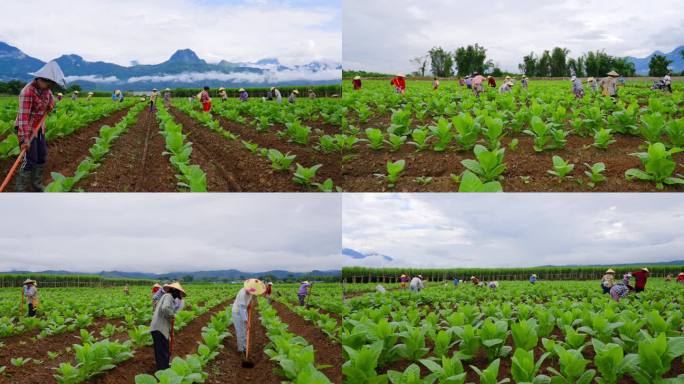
(524, 81)
(609, 84)
(205, 99)
(680, 278)
(157, 293)
(90, 96)
(303, 291)
(356, 83)
(640, 277)
(74, 95)
(243, 95)
(403, 279)
(241, 306)
(608, 280)
(35, 102)
(165, 312)
(474, 280)
(223, 94)
(416, 284)
(293, 97)
(60, 95)
(533, 278)
(399, 83)
(30, 288)
(592, 84)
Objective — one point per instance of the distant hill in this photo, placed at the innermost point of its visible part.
(359, 255)
(677, 66)
(230, 274)
(184, 69)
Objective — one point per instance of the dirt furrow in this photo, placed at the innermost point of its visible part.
(135, 162)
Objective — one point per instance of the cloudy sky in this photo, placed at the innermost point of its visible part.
(384, 35)
(508, 230)
(121, 31)
(170, 232)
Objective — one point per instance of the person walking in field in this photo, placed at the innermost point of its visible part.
(303, 291)
(169, 305)
(74, 95)
(435, 84)
(35, 101)
(241, 307)
(268, 292)
(680, 278)
(533, 279)
(609, 84)
(30, 288)
(293, 97)
(404, 282)
(608, 280)
(127, 290)
(153, 99)
(167, 97)
(399, 84)
(223, 94)
(417, 284)
(244, 96)
(356, 83)
(640, 278)
(577, 87)
(491, 81)
(205, 99)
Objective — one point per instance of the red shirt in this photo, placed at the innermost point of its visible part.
(680, 278)
(492, 82)
(399, 82)
(268, 289)
(204, 97)
(640, 277)
(33, 104)
(357, 84)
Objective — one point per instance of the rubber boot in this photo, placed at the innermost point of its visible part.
(21, 180)
(37, 178)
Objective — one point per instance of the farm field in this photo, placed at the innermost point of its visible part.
(99, 335)
(101, 146)
(431, 140)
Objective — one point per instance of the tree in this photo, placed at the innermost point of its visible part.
(529, 65)
(658, 66)
(12, 87)
(471, 59)
(441, 62)
(544, 65)
(421, 62)
(73, 87)
(623, 66)
(497, 72)
(188, 278)
(558, 62)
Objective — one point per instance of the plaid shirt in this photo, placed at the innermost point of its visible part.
(204, 97)
(33, 104)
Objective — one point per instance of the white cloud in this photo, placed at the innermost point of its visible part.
(93, 78)
(121, 31)
(170, 232)
(508, 230)
(383, 35)
(267, 77)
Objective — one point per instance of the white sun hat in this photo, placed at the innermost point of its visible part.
(51, 71)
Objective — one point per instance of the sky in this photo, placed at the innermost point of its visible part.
(384, 35)
(149, 32)
(512, 230)
(164, 233)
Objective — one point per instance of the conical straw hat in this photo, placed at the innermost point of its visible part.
(175, 285)
(254, 286)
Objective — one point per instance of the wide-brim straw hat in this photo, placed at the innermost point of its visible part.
(296, 92)
(613, 74)
(357, 77)
(610, 270)
(241, 90)
(221, 89)
(30, 281)
(400, 75)
(175, 285)
(403, 275)
(534, 275)
(157, 285)
(681, 274)
(270, 283)
(52, 72)
(59, 94)
(472, 277)
(524, 77)
(507, 77)
(306, 282)
(254, 286)
(167, 89)
(272, 88)
(77, 92)
(645, 270)
(90, 93)
(420, 276)
(591, 79)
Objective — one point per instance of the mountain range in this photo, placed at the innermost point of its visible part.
(184, 69)
(677, 66)
(360, 255)
(230, 274)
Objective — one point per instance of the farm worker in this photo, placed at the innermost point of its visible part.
(416, 283)
(593, 84)
(524, 81)
(667, 81)
(120, 96)
(609, 84)
(74, 95)
(640, 277)
(474, 280)
(469, 82)
(269, 94)
(269, 291)
(293, 97)
(303, 291)
(619, 291)
(244, 96)
(156, 288)
(577, 87)
(356, 83)
(241, 305)
(223, 94)
(680, 278)
(205, 99)
(312, 94)
(114, 96)
(31, 295)
(435, 84)
(491, 81)
(153, 99)
(608, 280)
(276, 95)
(90, 96)
(399, 83)
(35, 101)
(60, 95)
(477, 84)
(167, 97)
(493, 284)
(170, 303)
(461, 81)
(143, 98)
(404, 281)
(533, 279)
(127, 290)
(506, 87)
(456, 281)
(380, 289)
(668, 277)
